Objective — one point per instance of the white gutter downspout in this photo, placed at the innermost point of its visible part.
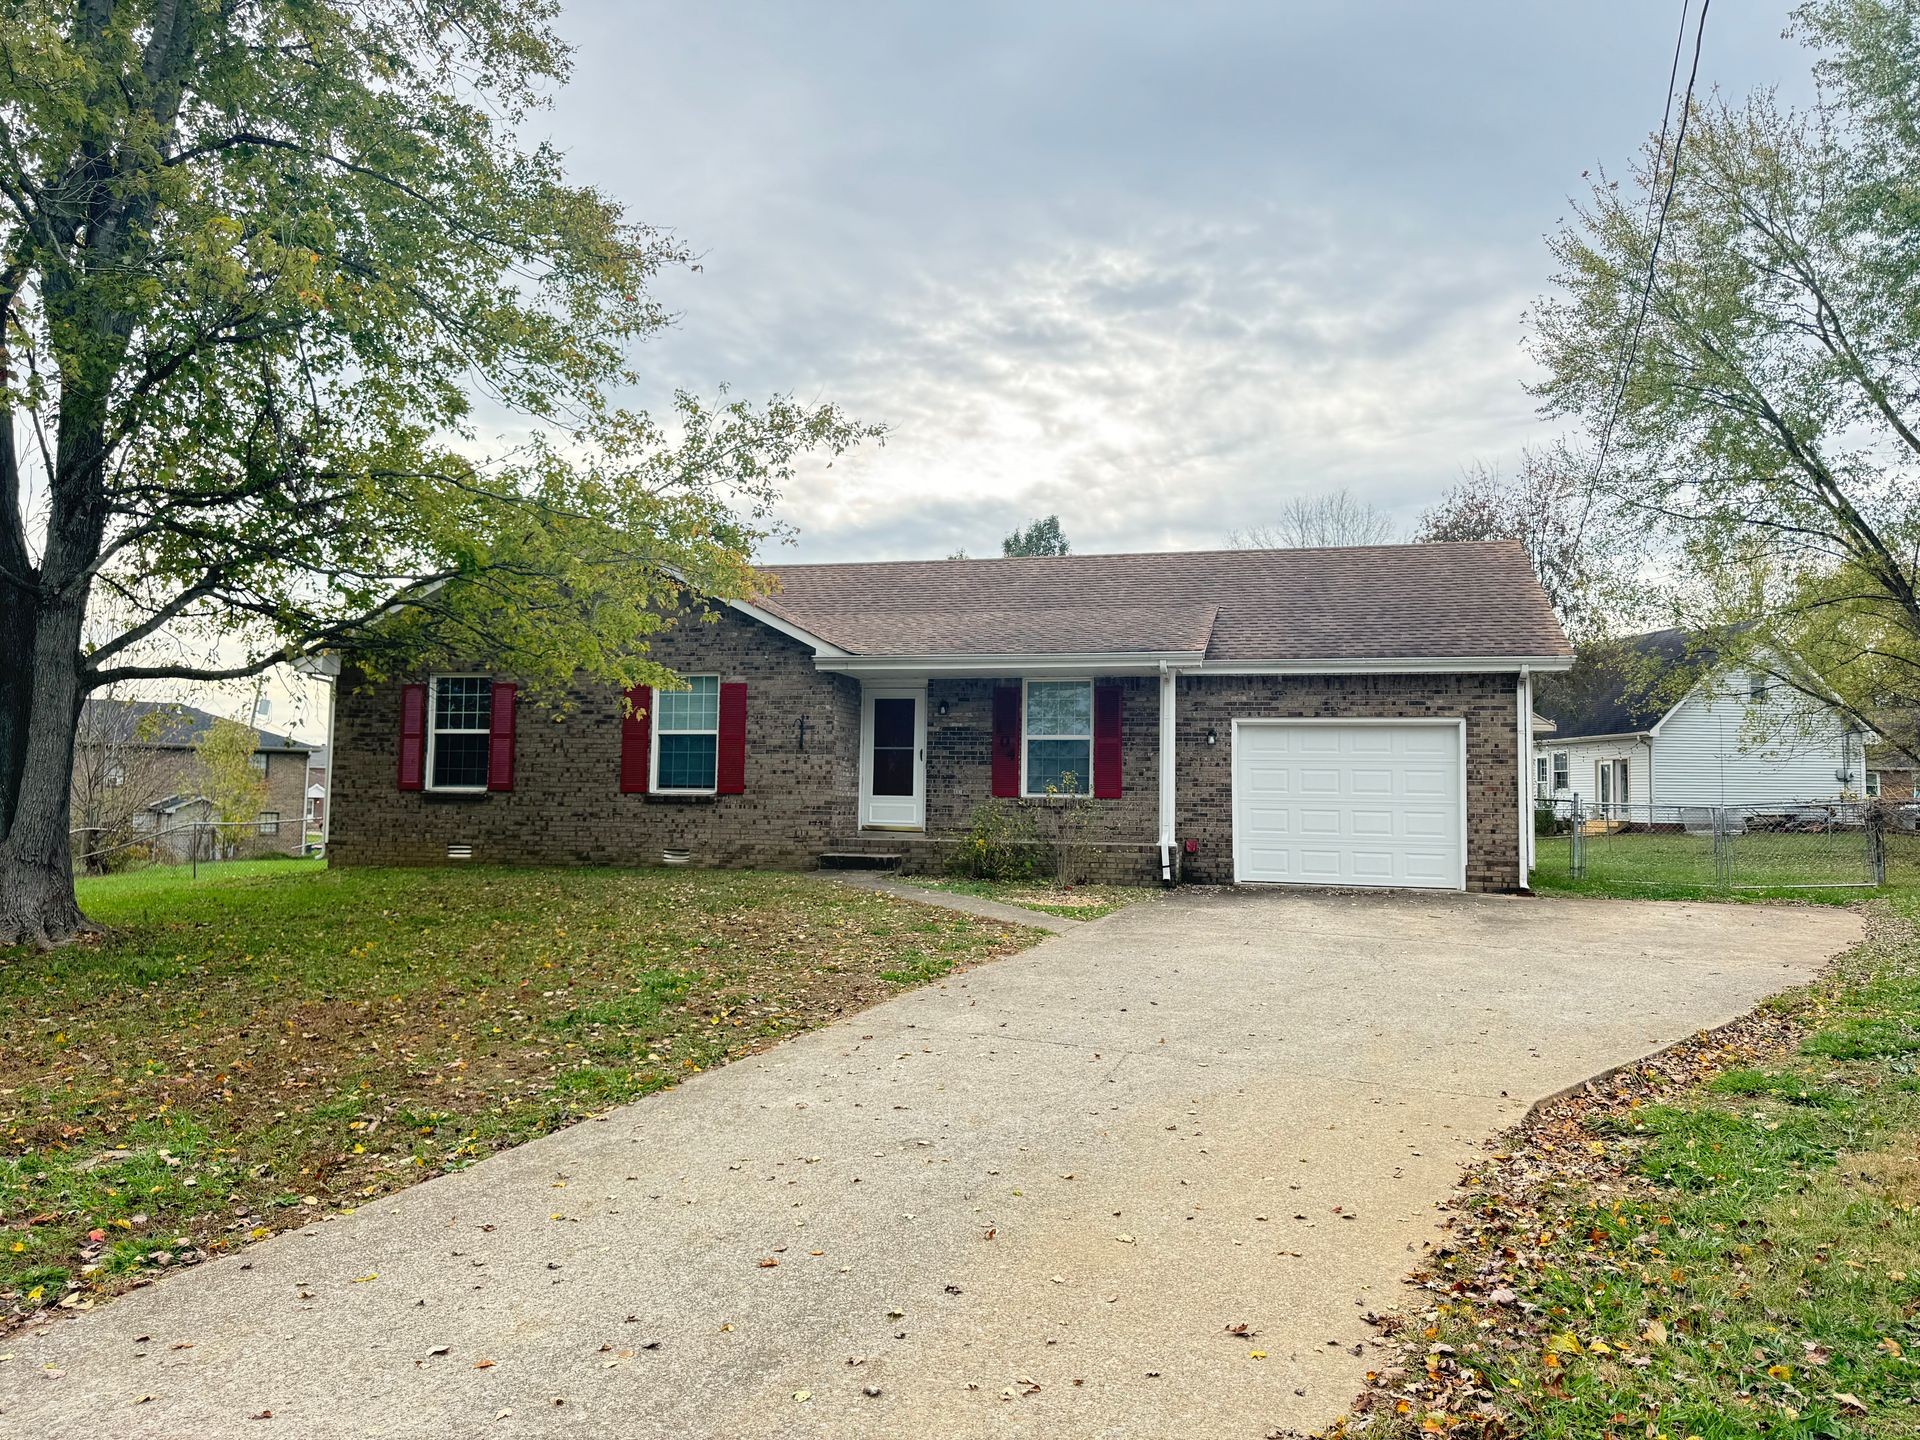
(1167, 674)
(1524, 693)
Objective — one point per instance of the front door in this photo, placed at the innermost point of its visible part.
(893, 759)
(1612, 785)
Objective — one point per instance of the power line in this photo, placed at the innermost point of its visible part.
(1660, 223)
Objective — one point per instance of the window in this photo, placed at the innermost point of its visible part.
(1540, 774)
(269, 822)
(258, 762)
(1873, 784)
(686, 736)
(116, 776)
(1756, 687)
(1559, 770)
(1059, 731)
(460, 709)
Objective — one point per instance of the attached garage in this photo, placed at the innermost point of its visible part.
(1350, 802)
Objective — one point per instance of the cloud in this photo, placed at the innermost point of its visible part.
(1152, 269)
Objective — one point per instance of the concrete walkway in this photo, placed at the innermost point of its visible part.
(1029, 1201)
(967, 904)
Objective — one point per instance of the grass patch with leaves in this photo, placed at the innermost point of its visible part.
(1071, 902)
(1722, 1243)
(246, 1052)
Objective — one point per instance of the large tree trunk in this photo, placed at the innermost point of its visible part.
(40, 701)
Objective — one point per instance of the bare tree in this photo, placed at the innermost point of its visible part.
(1541, 506)
(1311, 522)
(119, 774)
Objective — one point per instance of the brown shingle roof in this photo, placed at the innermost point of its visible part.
(1456, 601)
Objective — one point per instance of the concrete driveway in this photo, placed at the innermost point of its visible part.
(1030, 1201)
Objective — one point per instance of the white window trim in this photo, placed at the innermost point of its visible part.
(1027, 739)
(1542, 775)
(653, 744)
(1872, 784)
(1560, 772)
(433, 730)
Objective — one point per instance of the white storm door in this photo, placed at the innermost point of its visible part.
(893, 759)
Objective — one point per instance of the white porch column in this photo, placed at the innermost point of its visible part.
(1167, 771)
(1523, 690)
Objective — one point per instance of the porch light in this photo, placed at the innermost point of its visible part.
(1212, 738)
(941, 708)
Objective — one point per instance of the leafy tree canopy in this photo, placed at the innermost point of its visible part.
(302, 347)
(1042, 537)
(1768, 433)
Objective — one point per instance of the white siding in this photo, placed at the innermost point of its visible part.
(1584, 755)
(1716, 748)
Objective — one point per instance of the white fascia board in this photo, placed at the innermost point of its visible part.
(788, 628)
(1571, 742)
(1470, 664)
(1144, 662)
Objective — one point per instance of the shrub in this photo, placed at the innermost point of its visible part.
(998, 845)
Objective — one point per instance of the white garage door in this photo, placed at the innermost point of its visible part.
(1349, 803)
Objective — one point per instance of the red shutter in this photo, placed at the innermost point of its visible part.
(500, 738)
(636, 740)
(730, 765)
(1106, 741)
(413, 737)
(1006, 741)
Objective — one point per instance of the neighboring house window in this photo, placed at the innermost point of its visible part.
(258, 762)
(116, 776)
(1059, 732)
(461, 707)
(1756, 687)
(1540, 774)
(269, 822)
(686, 736)
(1873, 784)
(1559, 770)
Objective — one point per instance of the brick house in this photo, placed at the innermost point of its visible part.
(136, 779)
(1332, 717)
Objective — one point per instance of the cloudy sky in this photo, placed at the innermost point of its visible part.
(1151, 267)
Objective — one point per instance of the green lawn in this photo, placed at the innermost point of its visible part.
(1725, 1244)
(275, 1040)
(1073, 902)
(1674, 864)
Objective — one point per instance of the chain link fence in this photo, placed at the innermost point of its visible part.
(1782, 845)
(192, 844)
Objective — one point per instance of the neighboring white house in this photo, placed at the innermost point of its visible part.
(1619, 737)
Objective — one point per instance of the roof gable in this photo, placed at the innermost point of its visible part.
(1445, 601)
(1623, 687)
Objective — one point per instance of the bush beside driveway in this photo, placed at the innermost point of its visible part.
(248, 1052)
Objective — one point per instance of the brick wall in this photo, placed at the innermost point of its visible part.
(960, 763)
(1204, 787)
(567, 808)
(287, 798)
(566, 805)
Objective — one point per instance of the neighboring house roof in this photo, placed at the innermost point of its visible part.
(1442, 601)
(173, 804)
(159, 725)
(1623, 687)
